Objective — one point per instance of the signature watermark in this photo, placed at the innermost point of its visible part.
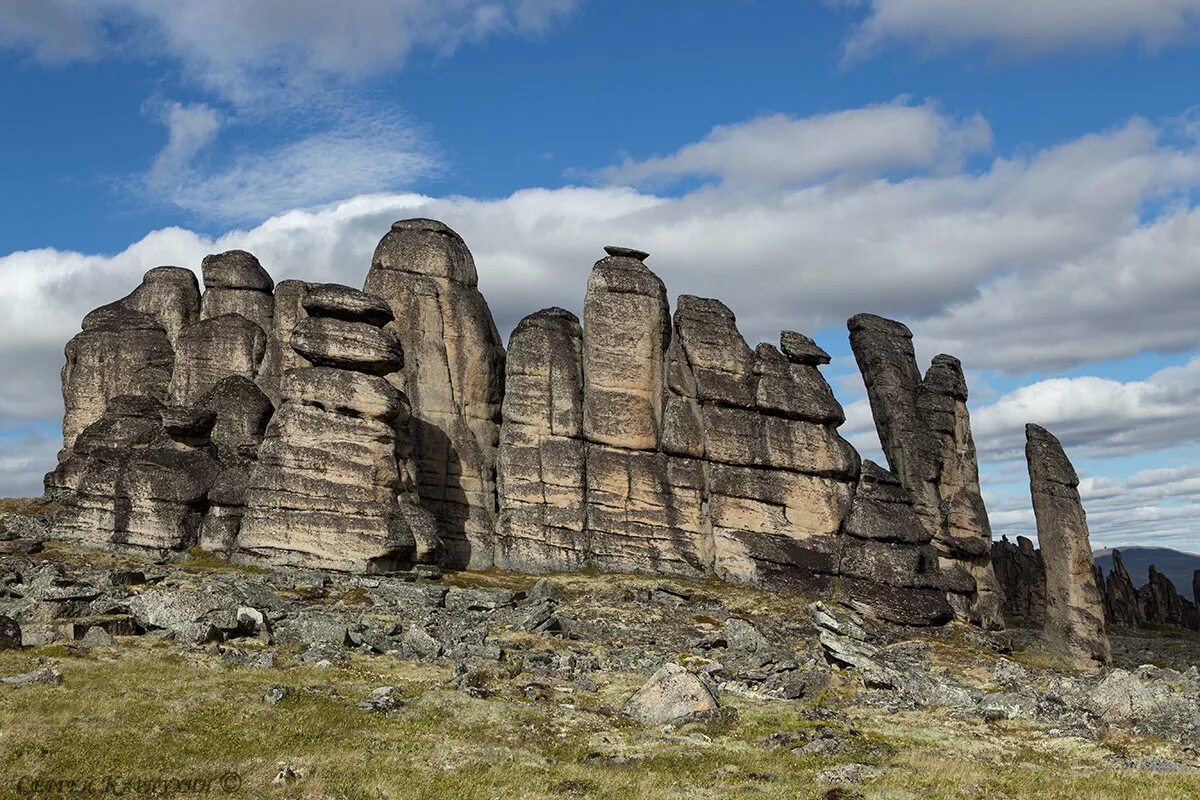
(217, 784)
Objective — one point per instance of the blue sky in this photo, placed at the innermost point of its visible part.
(1015, 180)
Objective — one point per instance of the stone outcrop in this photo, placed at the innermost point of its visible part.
(144, 473)
(235, 283)
(369, 431)
(1161, 603)
(540, 473)
(324, 491)
(1120, 596)
(925, 431)
(278, 355)
(453, 375)
(1022, 577)
(1074, 604)
(211, 350)
(887, 563)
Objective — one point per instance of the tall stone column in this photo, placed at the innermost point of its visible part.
(1074, 605)
(453, 375)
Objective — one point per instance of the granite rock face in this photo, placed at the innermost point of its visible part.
(453, 375)
(235, 283)
(1074, 604)
(887, 563)
(925, 431)
(119, 351)
(1120, 596)
(326, 488)
(1022, 577)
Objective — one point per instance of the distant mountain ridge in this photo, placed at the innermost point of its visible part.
(1177, 565)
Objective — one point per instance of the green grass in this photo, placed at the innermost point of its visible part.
(145, 710)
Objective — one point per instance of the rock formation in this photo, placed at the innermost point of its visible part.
(315, 425)
(1022, 577)
(1161, 604)
(453, 375)
(1074, 604)
(324, 489)
(235, 283)
(1120, 597)
(926, 435)
(144, 472)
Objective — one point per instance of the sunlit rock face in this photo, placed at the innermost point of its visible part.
(453, 376)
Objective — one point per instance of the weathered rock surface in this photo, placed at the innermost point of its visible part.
(887, 564)
(1160, 603)
(1074, 604)
(325, 489)
(235, 283)
(119, 351)
(240, 413)
(138, 485)
(672, 695)
(278, 356)
(453, 376)
(540, 462)
(925, 431)
(1022, 577)
(213, 349)
(169, 295)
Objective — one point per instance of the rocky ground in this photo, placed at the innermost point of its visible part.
(200, 679)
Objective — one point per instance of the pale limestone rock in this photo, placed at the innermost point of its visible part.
(453, 375)
(1074, 605)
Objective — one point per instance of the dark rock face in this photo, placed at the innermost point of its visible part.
(1074, 604)
(1022, 577)
(887, 563)
(925, 431)
(138, 485)
(1161, 604)
(453, 375)
(331, 475)
(1120, 597)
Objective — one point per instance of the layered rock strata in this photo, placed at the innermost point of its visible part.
(235, 283)
(1074, 605)
(324, 489)
(278, 355)
(453, 375)
(1022, 578)
(925, 431)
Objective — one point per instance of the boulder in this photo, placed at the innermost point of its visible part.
(356, 346)
(10, 633)
(672, 695)
(1074, 605)
(341, 302)
(213, 349)
(453, 376)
